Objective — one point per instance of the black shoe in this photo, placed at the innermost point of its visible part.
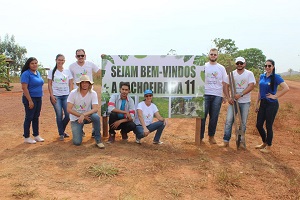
(66, 135)
(83, 134)
(111, 139)
(93, 134)
(124, 136)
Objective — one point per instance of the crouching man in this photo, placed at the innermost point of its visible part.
(83, 107)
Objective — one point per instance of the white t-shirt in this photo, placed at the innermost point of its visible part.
(82, 104)
(214, 76)
(87, 69)
(60, 83)
(241, 83)
(148, 113)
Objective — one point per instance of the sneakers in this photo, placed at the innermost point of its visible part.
(61, 137)
(138, 141)
(111, 139)
(29, 140)
(224, 144)
(39, 139)
(100, 145)
(212, 140)
(267, 149)
(66, 135)
(261, 146)
(157, 142)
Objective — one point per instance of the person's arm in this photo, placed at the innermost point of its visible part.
(160, 118)
(71, 86)
(248, 89)
(142, 122)
(257, 102)
(27, 95)
(52, 97)
(285, 89)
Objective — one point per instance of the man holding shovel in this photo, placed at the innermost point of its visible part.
(243, 81)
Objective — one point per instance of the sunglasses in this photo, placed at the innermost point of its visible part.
(268, 66)
(78, 56)
(213, 54)
(148, 95)
(239, 63)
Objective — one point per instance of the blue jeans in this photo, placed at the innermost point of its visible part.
(159, 126)
(267, 113)
(60, 107)
(244, 108)
(212, 107)
(77, 129)
(32, 115)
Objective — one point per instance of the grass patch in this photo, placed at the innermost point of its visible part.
(103, 171)
(24, 193)
(227, 181)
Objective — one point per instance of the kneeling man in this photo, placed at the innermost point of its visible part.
(83, 107)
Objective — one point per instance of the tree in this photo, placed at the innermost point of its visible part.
(3, 71)
(10, 49)
(255, 58)
(290, 70)
(225, 46)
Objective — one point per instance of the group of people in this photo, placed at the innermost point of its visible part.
(74, 99)
(217, 91)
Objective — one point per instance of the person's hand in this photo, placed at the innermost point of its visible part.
(129, 116)
(224, 100)
(115, 125)
(237, 96)
(230, 101)
(165, 122)
(30, 104)
(53, 99)
(271, 96)
(146, 132)
(256, 108)
(81, 119)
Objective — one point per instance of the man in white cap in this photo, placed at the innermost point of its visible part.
(244, 84)
(83, 107)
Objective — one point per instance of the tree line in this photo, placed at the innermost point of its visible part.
(228, 51)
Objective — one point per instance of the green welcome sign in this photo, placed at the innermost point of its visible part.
(176, 81)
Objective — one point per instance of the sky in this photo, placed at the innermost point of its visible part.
(136, 27)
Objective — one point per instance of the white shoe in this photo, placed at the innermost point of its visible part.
(138, 141)
(39, 139)
(29, 140)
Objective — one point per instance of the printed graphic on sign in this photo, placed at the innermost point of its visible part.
(177, 81)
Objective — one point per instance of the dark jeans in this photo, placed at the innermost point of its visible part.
(267, 113)
(32, 115)
(212, 107)
(158, 125)
(125, 127)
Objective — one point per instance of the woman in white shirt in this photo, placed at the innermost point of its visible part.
(146, 110)
(60, 83)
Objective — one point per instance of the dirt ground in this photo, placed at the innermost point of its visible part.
(178, 169)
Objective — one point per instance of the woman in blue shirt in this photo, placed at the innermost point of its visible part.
(32, 86)
(267, 104)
